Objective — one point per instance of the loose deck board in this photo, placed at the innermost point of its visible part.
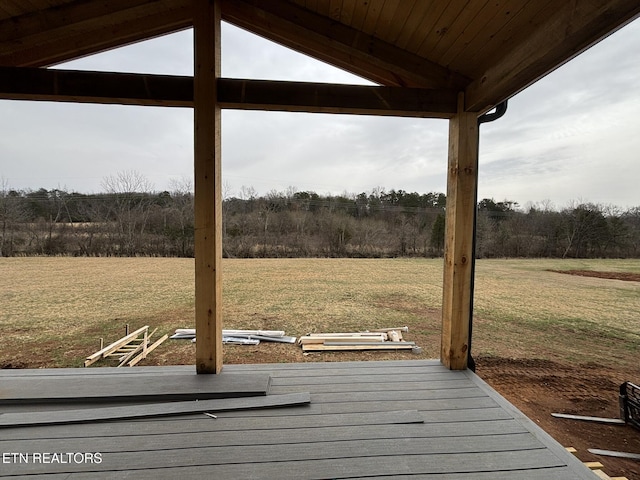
(148, 410)
(138, 388)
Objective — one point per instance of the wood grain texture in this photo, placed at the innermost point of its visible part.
(208, 186)
(458, 251)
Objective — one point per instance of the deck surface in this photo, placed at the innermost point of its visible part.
(362, 422)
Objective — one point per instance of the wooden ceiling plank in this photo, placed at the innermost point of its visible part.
(506, 28)
(335, 9)
(402, 14)
(419, 15)
(387, 14)
(359, 14)
(81, 43)
(373, 14)
(346, 14)
(448, 25)
(463, 26)
(338, 44)
(470, 37)
(573, 28)
(18, 83)
(427, 25)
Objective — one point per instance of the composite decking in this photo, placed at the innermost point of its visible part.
(361, 423)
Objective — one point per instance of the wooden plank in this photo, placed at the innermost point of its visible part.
(114, 346)
(149, 349)
(343, 346)
(309, 339)
(74, 389)
(177, 91)
(102, 414)
(208, 186)
(330, 98)
(458, 249)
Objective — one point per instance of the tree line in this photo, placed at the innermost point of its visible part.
(130, 219)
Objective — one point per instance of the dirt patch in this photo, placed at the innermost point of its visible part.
(540, 387)
(626, 276)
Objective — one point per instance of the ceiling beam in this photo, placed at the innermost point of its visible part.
(338, 44)
(80, 28)
(177, 91)
(332, 98)
(573, 28)
(17, 83)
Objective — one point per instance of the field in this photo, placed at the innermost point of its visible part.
(547, 341)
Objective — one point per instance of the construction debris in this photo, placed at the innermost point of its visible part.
(612, 453)
(130, 349)
(382, 339)
(629, 400)
(612, 421)
(239, 337)
(596, 467)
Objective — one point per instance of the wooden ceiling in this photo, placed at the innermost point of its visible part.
(490, 49)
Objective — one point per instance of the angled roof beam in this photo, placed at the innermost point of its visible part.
(338, 44)
(177, 91)
(80, 28)
(566, 34)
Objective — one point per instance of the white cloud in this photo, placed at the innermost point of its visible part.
(572, 135)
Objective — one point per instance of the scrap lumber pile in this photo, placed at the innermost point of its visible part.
(130, 349)
(382, 339)
(239, 337)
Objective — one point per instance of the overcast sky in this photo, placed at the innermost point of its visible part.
(573, 136)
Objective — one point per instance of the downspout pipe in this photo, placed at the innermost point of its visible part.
(497, 113)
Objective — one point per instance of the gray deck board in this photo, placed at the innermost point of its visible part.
(112, 388)
(360, 424)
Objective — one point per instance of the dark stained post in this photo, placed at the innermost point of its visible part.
(208, 187)
(458, 248)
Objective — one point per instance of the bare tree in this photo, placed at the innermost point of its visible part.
(130, 190)
(11, 214)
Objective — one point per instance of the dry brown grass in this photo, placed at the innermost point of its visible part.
(54, 310)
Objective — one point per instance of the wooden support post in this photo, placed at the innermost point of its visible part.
(458, 251)
(208, 187)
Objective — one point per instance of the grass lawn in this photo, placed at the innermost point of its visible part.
(53, 311)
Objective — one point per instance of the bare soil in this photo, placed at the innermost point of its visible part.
(626, 276)
(541, 387)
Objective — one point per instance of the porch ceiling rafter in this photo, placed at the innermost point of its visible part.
(177, 91)
(338, 44)
(60, 33)
(573, 27)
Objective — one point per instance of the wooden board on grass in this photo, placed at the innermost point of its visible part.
(337, 346)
